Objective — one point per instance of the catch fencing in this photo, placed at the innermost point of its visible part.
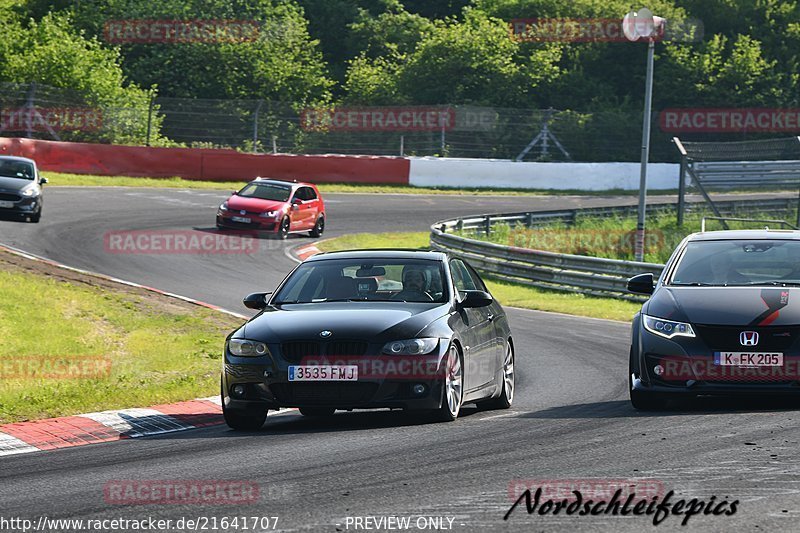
(261, 126)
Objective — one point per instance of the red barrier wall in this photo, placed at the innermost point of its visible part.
(217, 165)
(205, 164)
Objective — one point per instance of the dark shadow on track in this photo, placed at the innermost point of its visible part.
(255, 234)
(342, 421)
(8, 217)
(696, 406)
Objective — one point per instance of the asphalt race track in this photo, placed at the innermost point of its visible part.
(571, 419)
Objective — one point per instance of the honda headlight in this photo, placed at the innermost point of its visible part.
(247, 348)
(411, 347)
(667, 328)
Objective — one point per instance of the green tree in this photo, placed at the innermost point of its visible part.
(51, 52)
(373, 82)
(280, 62)
(594, 74)
(436, 9)
(329, 22)
(473, 62)
(722, 72)
(390, 34)
(775, 24)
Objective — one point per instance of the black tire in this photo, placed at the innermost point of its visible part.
(319, 227)
(283, 231)
(317, 411)
(644, 401)
(452, 388)
(506, 397)
(243, 420)
(37, 217)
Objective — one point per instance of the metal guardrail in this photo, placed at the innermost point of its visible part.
(564, 272)
(726, 175)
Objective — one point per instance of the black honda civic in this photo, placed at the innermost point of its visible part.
(723, 319)
(363, 329)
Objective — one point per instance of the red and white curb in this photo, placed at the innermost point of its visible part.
(107, 426)
(32, 257)
(301, 253)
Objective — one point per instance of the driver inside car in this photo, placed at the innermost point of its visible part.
(414, 282)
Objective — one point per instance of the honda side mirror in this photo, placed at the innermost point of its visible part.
(641, 284)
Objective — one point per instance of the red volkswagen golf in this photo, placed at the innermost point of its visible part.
(281, 207)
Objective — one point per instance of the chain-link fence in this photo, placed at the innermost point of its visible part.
(37, 111)
(41, 112)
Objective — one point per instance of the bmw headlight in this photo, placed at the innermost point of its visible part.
(246, 348)
(223, 206)
(411, 347)
(269, 214)
(667, 328)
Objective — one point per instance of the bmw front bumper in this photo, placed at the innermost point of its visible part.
(266, 384)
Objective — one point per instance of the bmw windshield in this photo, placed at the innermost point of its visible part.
(739, 263)
(335, 280)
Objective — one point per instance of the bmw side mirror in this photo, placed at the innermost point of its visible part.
(641, 284)
(256, 300)
(43, 180)
(475, 299)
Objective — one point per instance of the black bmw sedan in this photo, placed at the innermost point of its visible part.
(724, 319)
(370, 329)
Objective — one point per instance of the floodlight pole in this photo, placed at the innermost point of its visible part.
(648, 105)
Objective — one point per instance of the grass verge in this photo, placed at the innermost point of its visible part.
(510, 294)
(73, 346)
(615, 237)
(77, 180)
(416, 240)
